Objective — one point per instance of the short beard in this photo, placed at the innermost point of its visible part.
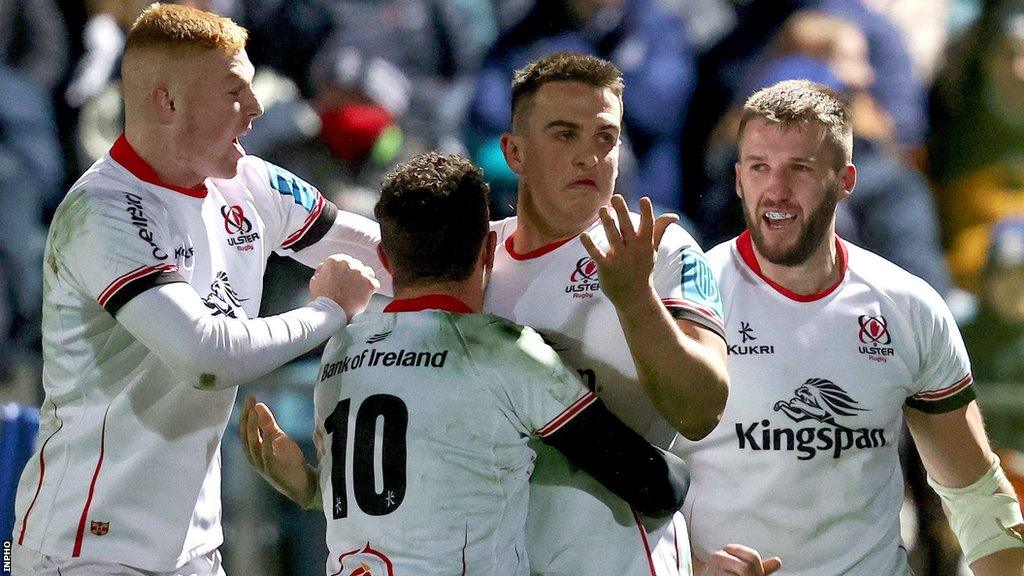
(817, 224)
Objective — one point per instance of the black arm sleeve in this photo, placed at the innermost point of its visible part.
(649, 479)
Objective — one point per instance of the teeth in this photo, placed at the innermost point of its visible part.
(778, 215)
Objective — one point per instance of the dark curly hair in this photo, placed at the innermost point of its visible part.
(433, 218)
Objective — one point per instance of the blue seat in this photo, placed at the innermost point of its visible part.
(18, 428)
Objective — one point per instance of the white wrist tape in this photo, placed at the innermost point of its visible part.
(983, 520)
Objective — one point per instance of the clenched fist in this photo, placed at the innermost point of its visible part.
(345, 280)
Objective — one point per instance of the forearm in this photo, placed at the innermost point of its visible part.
(653, 482)
(215, 352)
(685, 380)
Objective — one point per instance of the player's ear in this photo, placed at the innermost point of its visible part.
(490, 245)
(739, 188)
(511, 149)
(162, 103)
(848, 179)
(384, 259)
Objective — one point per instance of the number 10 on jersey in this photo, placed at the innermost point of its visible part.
(394, 417)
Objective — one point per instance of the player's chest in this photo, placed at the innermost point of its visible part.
(847, 363)
(220, 251)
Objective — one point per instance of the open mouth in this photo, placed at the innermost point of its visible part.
(777, 219)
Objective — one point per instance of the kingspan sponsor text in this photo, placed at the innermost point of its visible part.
(808, 441)
(372, 357)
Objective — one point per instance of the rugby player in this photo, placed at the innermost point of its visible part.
(649, 327)
(831, 350)
(449, 399)
(153, 278)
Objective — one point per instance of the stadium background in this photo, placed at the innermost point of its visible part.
(351, 87)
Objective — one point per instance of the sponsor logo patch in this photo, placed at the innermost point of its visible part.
(222, 298)
(828, 409)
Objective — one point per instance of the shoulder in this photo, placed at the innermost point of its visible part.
(504, 228)
(265, 178)
(907, 291)
(502, 340)
(720, 257)
(676, 238)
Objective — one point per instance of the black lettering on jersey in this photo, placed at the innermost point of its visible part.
(140, 220)
(394, 414)
(808, 441)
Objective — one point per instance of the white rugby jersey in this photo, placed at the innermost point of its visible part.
(426, 412)
(128, 464)
(576, 526)
(804, 463)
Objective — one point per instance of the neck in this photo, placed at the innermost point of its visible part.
(816, 274)
(154, 145)
(470, 292)
(533, 231)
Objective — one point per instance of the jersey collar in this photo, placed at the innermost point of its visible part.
(532, 253)
(123, 153)
(429, 302)
(746, 249)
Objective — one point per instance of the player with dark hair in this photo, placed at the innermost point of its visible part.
(634, 309)
(152, 285)
(628, 301)
(449, 398)
(831, 349)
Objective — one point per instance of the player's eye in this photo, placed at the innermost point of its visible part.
(565, 135)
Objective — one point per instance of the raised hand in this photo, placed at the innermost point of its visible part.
(625, 269)
(345, 280)
(737, 560)
(275, 455)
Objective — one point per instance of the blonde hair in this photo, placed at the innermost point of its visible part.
(175, 26)
(793, 102)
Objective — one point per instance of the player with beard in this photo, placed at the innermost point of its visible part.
(831, 349)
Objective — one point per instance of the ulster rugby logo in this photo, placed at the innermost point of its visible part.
(874, 334)
(584, 279)
(821, 404)
(235, 221)
(238, 227)
(874, 330)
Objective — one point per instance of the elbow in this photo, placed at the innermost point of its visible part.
(705, 418)
(203, 371)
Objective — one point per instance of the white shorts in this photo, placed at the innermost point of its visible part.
(27, 562)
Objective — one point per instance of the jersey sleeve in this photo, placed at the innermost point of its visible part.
(112, 247)
(944, 380)
(296, 213)
(543, 394)
(684, 281)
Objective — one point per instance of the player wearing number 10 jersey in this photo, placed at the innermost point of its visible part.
(425, 412)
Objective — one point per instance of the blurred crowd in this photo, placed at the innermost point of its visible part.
(351, 87)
